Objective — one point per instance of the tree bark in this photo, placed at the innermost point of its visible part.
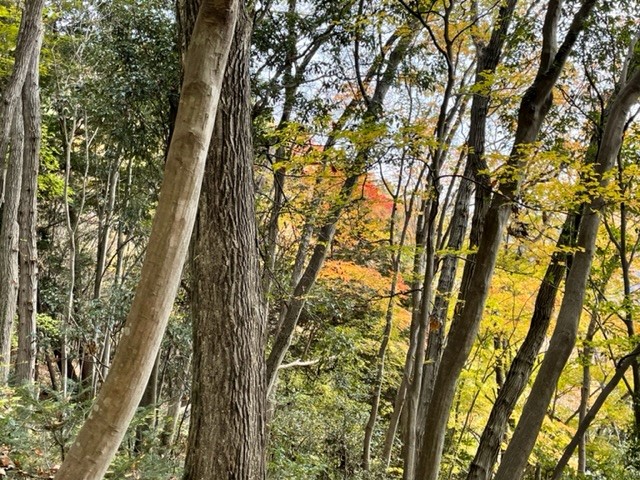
(585, 389)
(27, 216)
(565, 332)
(9, 232)
(227, 429)
(28, 47)
(534, 107)
(522, 365)
(97, 441)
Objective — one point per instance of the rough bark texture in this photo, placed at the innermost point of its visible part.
(566, 330)
(12, 136)
(28, 47)
(522, 365)
(28, 252)
(227, 430)
(97, 441)
(534, 107)
(9, 243)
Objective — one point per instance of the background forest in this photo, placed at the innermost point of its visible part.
(434, 240)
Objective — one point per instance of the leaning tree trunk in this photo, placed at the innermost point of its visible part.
(622, 366)
(566, 330)
(533, 109)
(522, 365)
(98, 440)
(27, 249)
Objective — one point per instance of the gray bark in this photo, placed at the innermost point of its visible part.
(9, 232)
(27, 216)
(98, 439)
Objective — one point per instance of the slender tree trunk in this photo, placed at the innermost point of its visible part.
(175, 402)
(395, 272)
(279, 175)
(149, 399)
(28, 47)
(522, 365)
(27, 216)
(68, 308)
(227, 429)
(415, 385)
(97, 441)
(564, 335)
(417, 274)
(488, 58)
(9, 233)
(623, 365)
(105, 227)
(585, 389)
(325, 237)
(534, 107)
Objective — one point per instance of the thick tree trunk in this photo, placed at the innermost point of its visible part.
(227, 430)
(97, 441)
(565, 332)
(28, 252)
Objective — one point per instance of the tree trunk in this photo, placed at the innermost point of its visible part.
(149, 399)
(105, 226)
(585, 389)
(28, 47)
(227, 430)
(417, 273)
(325, 237)
(565, 332)
(9, 232)
(27, 216)
(98, 440)
(522, 365)
(488, 58)
(622, 366)
(534, 107)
